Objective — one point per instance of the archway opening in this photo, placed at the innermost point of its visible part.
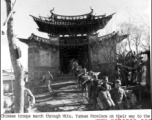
(78, 52)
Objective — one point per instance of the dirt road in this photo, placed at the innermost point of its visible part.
(66, 98)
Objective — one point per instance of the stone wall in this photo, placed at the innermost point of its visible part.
(106, 69)
(103, 56)
(40, 61)
(103, 60)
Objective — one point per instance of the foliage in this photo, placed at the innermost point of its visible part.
(127, 67)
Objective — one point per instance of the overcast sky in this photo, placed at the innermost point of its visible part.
(24, 24)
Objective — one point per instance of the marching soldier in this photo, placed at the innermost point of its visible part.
(94, 84)
(83, 72)
(47, 79)
(74, 65)
(90, 74)
(119, 96)
(103, 90)
(70, 66)
(103, 86)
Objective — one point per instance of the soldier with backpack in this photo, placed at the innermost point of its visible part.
(103, 95)
(104, 86)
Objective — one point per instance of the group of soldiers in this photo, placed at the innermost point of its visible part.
(101, 92)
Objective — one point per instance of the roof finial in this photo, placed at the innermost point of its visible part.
(91, 9)
(52, 10)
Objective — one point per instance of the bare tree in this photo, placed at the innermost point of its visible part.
(139, 37)
(121, 47)
(138, 28)
(126, 28)
(18, 69)
(146, 39)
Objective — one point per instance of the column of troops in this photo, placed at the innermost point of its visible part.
(103, 94)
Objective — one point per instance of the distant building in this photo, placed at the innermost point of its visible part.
(8, 81)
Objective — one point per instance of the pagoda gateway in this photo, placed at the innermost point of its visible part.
(71, 37)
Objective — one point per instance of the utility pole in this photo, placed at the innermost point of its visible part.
(17, 67)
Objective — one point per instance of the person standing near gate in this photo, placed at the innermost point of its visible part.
(47, 79)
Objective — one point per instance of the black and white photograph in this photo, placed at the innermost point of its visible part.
(75, 55)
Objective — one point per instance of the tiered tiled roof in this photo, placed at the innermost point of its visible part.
(100, 40)
(71, 25)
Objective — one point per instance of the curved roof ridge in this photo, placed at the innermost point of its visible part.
(72, 15)
(108, 35)
(33, 35)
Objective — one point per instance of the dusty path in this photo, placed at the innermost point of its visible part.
(68, 97)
